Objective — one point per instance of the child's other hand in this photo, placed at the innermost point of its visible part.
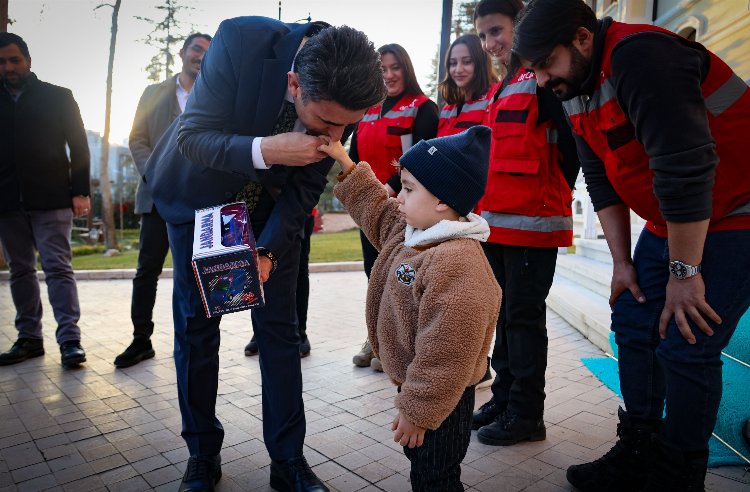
(406, 433)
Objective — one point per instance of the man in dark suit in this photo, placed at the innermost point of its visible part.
(158, 107)
(240, 134)
(41, 188)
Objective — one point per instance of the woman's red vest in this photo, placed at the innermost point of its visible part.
(379, 138)
(472, 113)
(527, 201)
(626, 164)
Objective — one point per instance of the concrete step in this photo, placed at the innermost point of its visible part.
(595, 249)
(586, 311)
(591, 274)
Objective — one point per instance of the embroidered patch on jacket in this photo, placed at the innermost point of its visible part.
(406, 274)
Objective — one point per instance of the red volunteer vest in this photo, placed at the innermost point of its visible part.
(379, 138)
(627, 164)
(472, 113)
(527, 201)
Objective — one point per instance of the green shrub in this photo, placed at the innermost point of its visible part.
(85, 249)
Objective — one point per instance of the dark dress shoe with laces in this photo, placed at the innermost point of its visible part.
(24, 348)
(510, 428)
(295, 475)
(486, 414)
(71, 353)
(202, 474)
(252, 347)
(140, 349)
(304, 347)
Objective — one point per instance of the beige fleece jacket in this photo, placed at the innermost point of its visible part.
(431, 310)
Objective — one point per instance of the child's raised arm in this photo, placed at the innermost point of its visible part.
(337, 151)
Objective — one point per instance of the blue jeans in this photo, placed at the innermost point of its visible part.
(687, 378)
(22, 234)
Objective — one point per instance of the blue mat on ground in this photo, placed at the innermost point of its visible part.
(735, 402)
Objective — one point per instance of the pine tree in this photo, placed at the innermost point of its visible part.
(166, 34)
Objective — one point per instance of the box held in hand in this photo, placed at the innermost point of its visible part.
(225, 260)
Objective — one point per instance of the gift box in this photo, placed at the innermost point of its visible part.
(225, 260)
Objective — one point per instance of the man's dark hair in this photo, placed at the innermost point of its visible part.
(509, 8)
(190, 38)
(7, 38)
(340, 64)
(484, 74)
(548, 23)
(411, 85)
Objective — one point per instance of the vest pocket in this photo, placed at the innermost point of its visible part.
(513, 186)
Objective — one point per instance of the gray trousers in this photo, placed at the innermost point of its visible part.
(22, 233)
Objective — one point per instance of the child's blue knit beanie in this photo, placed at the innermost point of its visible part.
(452, 168)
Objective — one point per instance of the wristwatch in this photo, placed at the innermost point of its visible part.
(681, 270)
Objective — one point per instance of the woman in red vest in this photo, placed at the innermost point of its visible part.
(384, 134)
(467, 87)
(533, 168)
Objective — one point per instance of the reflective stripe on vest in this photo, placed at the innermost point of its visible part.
(526, 223)
(726, 95)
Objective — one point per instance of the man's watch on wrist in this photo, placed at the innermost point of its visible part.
(681, 270)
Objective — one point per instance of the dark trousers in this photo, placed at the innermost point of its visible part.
(153, 249)
(687, 377)
(22, 234)
(436, 465)
(369, 253)
(196, 355)
(519, 356)
(303, 278)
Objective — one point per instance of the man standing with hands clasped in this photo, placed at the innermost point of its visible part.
(661, 126)
(249, 131)
(159, 105)
(41, 189)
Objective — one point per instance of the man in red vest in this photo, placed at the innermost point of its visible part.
(661, 124)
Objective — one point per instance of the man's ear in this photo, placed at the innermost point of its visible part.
(292, 83)
(584, 41)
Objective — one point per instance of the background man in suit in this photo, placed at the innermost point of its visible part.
(41, 188)
(250, 127)
(158, 107)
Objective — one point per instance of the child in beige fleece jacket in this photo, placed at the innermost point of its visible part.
(432, 299)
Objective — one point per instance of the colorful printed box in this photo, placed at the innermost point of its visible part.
(225, 260)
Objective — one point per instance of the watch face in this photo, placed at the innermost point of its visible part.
(678, 269)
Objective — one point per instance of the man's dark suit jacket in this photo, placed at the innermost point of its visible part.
(157, 109)
(236, 98)
(34, 163)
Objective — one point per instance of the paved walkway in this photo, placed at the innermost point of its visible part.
(97, 428)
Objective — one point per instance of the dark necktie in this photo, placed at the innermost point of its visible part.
(250, 193)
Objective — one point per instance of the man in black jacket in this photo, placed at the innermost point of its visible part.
(41, 189)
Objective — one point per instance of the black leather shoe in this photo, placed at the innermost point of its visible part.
(140, 349)
(304, 347)
(202, 474)
(252, 347)
(72, 353)
(295, 475)
(24, 348)
(486, 414)
(509, 428)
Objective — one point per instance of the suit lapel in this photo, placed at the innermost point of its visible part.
(174, 106)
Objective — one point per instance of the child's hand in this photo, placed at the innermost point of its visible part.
(334, 149)
(406, 433)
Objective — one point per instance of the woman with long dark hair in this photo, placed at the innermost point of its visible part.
(527, 203)
(384, 134)
(467, 87)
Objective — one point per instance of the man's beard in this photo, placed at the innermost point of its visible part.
(570, 86)
(18, 83)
